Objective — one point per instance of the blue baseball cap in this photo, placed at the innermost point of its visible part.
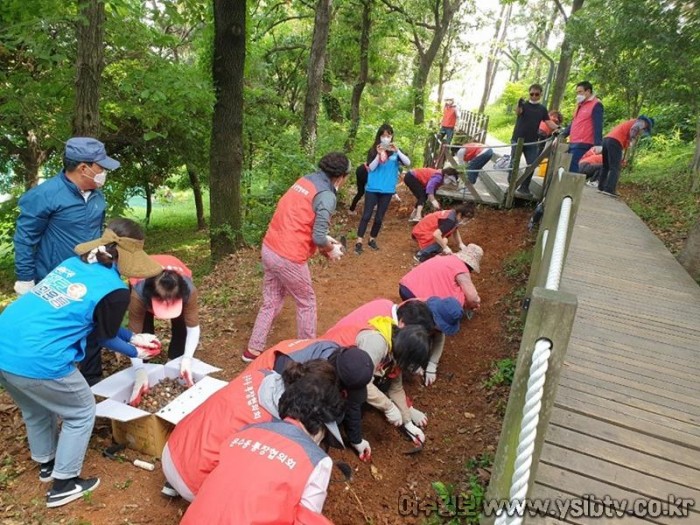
(87, 149)
(649, 121)
(447, 314)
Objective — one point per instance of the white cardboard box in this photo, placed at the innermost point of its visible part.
(141, 430)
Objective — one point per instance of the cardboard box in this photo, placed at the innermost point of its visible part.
(141, 430)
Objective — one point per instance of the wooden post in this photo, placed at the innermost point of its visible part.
(551, 317)
(570, 185)
(514, 173)
(560, 158)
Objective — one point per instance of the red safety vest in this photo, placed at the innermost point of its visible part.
(423, 231)
(168, 262)
(544, 129)
(361, 316)
(449, 117)
(472, 150)
(591, 157)
(437, 277)
(424, 174)
(621, 133)
(290, 234)
(195, 442)
(582, 123)
(263, 472)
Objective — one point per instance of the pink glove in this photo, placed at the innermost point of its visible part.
(363, 450)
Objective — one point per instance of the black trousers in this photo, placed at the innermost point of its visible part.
(612, 161)
(178, 335)
(91, 366)
(372, 199)
(361, 176)
(416, 188)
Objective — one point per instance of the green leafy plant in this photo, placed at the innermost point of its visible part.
(502, 373)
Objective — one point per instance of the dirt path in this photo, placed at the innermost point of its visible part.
(463, 423)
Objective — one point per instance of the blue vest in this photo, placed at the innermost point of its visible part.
(44, 331)
(384, 178)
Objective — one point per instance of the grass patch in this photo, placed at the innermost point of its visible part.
(501, 122)
(502, 374)
(658, 189)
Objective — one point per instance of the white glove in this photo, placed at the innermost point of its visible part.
(363, 450)
(598, 150)
(140, 386)
(22, 287)
(447, 250)
(393, 415)
(430, 374)
(145, 341)
(416, 433)
(419, 418)
(336, 253)
(147, 353)
(186, 370)
(396, 197)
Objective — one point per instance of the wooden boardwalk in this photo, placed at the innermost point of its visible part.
(626, 421)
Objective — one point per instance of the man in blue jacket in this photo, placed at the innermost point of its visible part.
(59, 214)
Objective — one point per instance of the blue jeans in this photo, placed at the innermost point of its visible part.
(577, 151)
(43, 402)
(477, 163)
(447, 133)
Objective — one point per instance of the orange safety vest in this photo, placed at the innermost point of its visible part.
(195, 442)
(582, 123)
(290, 234)
(449, 117)
(423, 231)
(264, 471)
(424, 174)
(621, 133)
(591, 157)
(437, 277)
(472, 150)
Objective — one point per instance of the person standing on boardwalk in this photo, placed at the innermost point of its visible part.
(530, 115)
(299, 227)
(586, 128)
(615, 143)
(385, 160)
(449, 120)
(55, 216)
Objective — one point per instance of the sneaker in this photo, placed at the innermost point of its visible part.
(169, 491)
(373, 244)
(609, 194)
(592, 183)
(415, 258)
(414, 219)
(358, 248)
(46, 471)
(71, 491)
(249, 357)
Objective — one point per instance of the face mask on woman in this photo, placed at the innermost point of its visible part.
(385, 141)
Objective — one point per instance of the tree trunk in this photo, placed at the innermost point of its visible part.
(565, 59)
(359, 86)
(32, 157)
(538, 61)
(690, 256)
(226, 155)
(149, 200)
(695, 166)
(197, 192)
(426, 59)
(314, 74)
(89, 66)
(492, 62)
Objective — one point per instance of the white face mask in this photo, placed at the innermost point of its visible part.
(99, 178)
(385, 140)
(580, 98)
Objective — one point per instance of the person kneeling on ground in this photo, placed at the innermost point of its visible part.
(476, 155)
(591, 164)
(192, 450)
(434, 230)
(393, 350)
(424, 183)
(45, 333)
(446, 276)
(275, 473)
(169, 295)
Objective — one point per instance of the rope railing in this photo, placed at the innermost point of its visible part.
(537, 376)
(459, 146)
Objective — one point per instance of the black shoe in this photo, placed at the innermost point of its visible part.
(71, 490)
(523, 194)
(358, 248)
(46, 471)
(169, 491)
(609, 194)
(373, 244)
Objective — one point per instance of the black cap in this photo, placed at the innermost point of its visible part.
(354, 367)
